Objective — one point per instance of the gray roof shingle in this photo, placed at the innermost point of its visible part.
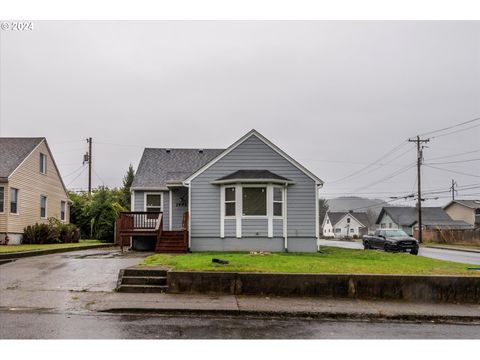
(253, 174)
(161, 165)
(473, 204)
(407, 216)
(13, 151)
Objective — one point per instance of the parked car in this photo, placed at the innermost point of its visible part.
(391, 240)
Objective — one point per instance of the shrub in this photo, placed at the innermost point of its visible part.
(50, 233)
(355, 237)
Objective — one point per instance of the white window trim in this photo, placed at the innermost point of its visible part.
(170, 210)
(230, 201)
(282, 202)
(239, 209)
(10, 201)
(4, 197)
(44, 163)
(152, 193)
(46, 207)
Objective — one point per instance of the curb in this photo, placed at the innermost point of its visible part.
(22, 254)
(304, 314)
(453, 249)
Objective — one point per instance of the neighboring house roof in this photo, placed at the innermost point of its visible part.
(407, 216)
(252, 175)
(472, 204)
(267, 142)
(457, 224)
(14, 151)
(361, 217)
(160, 166)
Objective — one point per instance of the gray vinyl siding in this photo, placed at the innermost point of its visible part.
(252, 154)
(230, 228)
(275, 244)
(139, 204)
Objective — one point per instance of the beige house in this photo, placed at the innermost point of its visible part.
(466, 210)
(31, 188)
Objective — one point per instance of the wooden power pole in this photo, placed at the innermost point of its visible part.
(89, 140)
(419, 142)
(454, 183)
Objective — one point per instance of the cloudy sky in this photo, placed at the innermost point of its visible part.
(337, 96)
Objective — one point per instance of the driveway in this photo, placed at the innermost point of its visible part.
(441, 254)
(61, 280)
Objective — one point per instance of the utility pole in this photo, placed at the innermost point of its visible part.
(454, 183)
(419, 165)
(89, 141)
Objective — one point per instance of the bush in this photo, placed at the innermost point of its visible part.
(355, 237)
(51, 233)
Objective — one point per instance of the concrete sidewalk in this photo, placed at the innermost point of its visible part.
(293, 307)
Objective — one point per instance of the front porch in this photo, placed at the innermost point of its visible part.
(150, 224)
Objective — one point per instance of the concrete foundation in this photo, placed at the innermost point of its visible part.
(440, 289)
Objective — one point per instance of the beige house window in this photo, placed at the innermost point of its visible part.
(43, 163)
(2, 199)
(63, 210)
(43, 207)
(13, 201)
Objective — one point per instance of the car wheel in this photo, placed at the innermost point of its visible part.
(386, 248)
(414, 252)
(366, 246)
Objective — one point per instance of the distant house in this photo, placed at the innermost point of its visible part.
(466, 210)
(346, 223)
(31, 189)
(392, 217)
(249, 196)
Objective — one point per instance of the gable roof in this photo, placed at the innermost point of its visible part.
(336, 216)
(159, 166)
(472, 204)
(252, 175)
(267, 142)
(14, 151)
(407, 216)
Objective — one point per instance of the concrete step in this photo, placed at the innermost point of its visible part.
(142, 288)
(144, 272)
(144, 280)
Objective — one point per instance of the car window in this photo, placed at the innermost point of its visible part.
(396, 233)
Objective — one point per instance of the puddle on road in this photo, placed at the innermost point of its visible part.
(104, 255)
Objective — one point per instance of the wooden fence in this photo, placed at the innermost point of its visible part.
(446, 236)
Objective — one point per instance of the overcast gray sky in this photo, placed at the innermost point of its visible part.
(334, 95)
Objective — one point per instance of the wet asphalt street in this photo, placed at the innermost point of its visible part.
(31, 325)
(441, 254)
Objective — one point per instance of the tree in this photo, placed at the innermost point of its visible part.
(127, 184)
(322, 211)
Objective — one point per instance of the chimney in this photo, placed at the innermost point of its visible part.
(168, 151)
(200, 151)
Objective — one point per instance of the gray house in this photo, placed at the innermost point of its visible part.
(250, 196)
(405, 218)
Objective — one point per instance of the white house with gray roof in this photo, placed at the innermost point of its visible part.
(249, 196)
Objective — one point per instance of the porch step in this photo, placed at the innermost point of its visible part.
(144, 272)
(171, 242)
(144, 280)
(142, 288)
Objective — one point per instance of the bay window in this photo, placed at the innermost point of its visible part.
(254, 201)
(230, 202)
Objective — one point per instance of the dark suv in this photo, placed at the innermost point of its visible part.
(391, 240)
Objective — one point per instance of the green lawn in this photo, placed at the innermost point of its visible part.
(458, 246)
(17, 248)
(330, 260)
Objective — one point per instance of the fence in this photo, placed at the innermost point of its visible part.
(446, 236)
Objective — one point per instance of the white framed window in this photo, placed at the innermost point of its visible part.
(338, 230)
(352, 230)
(389, 225)
(63, 210)
(13, 201)
(2, 199)
(43, 163)
(278, 201)
(43, 207)
(328, 221)
(348, 220)
(230, 201)
(254, 201)
(153, 202)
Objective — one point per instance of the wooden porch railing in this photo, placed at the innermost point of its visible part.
(185, 220)
(139, 223)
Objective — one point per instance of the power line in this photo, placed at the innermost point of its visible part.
(76, 177)
(395, 173)
(454, 132)
(450, 127)
(453, 155)
(73, 172)
(453, 162)
(371, 164)
(452, 171)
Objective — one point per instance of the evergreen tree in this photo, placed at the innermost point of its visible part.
(127, 184)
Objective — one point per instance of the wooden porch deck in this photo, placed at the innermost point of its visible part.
(142, 223)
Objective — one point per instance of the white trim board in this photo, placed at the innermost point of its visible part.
(267, 142)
